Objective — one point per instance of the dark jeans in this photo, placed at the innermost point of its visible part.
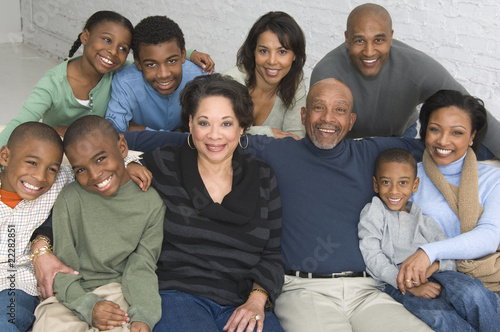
(463, 305)
(17, 310)
(186, 312)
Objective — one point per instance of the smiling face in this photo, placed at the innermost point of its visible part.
(161, 65)
(97, 161)
(328, 116)
(30, 167)
(394, 183)
(369, 39)
(272, 60)
(215, 129)
(106, 46)
(448, 135)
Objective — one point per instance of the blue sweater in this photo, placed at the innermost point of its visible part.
(480, 241)
(132, 98)
(322, 193)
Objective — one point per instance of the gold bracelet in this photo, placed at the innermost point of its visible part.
(39, 252)
(41, 238)
(262, 291)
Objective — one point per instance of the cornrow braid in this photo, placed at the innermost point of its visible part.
(75, 47)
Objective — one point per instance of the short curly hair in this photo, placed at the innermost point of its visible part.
(217, 85)
(396, 155)
(154, 30)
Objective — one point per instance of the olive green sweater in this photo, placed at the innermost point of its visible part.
(109, 239)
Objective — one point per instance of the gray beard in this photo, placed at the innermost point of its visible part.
(324, 146)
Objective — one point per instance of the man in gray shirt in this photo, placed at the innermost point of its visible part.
(388, 78)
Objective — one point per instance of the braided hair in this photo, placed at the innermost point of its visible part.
(97, 18)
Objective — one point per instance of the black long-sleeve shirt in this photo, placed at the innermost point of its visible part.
(218, 250)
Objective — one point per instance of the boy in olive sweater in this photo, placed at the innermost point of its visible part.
(110, 231)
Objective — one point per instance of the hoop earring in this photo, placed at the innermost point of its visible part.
(239, 142)
(189, 143)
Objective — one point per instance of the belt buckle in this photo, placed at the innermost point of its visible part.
(342, 274)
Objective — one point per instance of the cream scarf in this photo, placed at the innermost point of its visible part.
(464, 201)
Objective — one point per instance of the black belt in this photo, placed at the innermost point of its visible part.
(346, 274)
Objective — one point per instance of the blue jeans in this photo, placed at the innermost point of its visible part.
(17, 310)
(463, 305)
(186, 312)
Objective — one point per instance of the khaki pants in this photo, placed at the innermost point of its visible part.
(341, 304)
(53, 316)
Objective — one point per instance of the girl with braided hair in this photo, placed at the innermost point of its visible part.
(79, 86)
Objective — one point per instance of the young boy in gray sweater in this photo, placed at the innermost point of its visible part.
(391, 229)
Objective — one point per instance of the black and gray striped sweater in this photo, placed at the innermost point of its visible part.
(218, 250)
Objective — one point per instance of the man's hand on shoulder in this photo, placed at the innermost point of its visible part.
(203, 61)
(278, 133)
(140, 175)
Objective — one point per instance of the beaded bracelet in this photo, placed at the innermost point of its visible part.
(39, 252)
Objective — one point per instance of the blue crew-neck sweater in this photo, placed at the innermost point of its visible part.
(322, 194)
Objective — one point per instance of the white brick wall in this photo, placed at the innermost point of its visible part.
(463, 35)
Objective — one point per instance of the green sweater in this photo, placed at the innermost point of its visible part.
(53, 101)
(109, 239)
